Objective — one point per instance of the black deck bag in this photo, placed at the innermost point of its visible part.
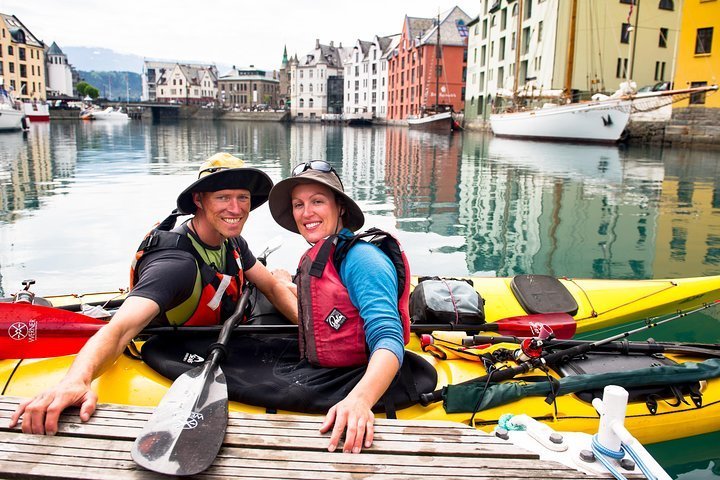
(446, 300)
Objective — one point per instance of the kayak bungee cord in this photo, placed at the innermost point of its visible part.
(594, 313)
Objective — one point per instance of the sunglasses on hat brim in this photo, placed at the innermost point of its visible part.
(317, 165)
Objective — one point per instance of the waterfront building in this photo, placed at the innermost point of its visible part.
(521, 47)
(366, 76)
(59, 72)
(698, 58)
(248, 88)
(172, 82)
(22, 60)
(413, 65)
(317, 82)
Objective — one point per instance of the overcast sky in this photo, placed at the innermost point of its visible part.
(231, 32)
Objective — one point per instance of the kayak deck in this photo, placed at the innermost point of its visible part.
(270, 446)
(601, 303)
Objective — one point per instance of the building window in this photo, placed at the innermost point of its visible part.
(302, 103)
(503, 19)
(662, 40)
(666, 5)
(10, 50)
(621, 68)
(697, 98)
(625, 33)
(21, 53)
(703, 41)
(659, 71)
(540, 31)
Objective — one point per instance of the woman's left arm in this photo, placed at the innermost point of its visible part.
(372, 283)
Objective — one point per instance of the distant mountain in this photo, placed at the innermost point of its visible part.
(102, 60)
(106, 60)
(115, 85)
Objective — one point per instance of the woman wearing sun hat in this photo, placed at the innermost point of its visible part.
(352, 296)
(191, 274)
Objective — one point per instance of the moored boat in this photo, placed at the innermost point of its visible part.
(109, 113)
(433, 122)
(37, 111)
(10, 117)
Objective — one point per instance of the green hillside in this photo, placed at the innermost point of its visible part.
(115, 85)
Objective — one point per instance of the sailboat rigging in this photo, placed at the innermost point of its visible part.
(438, 118)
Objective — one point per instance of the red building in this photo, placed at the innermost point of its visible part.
(413, 83)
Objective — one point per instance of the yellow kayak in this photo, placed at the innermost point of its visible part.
(600, 304)
(131, 381)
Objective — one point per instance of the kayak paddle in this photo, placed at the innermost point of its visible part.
(34, 331)
(184, 434)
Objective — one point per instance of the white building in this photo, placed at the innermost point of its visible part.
(317, 82)
(179, 83)
(366, 76)
(59, 72)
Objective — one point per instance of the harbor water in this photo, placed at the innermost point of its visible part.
(76, 198)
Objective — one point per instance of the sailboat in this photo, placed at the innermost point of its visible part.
(601, 121)
(437, 118)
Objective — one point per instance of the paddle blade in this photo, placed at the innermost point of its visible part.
(35, 331)
(562, 325)
(184, 434)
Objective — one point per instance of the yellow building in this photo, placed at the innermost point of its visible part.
(698, 57)
(22, 60)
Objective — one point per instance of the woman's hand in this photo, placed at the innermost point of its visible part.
(286, 279)
(355, 416)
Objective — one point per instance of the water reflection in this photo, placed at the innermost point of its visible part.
(461, 204)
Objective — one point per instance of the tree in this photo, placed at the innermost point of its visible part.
(84, 88)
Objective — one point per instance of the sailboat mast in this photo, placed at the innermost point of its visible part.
(438, 65)
(518, 42)
(567, 90)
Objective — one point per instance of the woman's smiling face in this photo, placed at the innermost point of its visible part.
(316, 211)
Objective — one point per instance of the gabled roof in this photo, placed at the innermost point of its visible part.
(325, 54)
(19, 33)
(424, 31)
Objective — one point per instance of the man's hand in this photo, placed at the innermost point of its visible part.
(40, 414)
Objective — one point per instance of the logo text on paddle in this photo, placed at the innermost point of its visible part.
(23, 331)
(192, 421)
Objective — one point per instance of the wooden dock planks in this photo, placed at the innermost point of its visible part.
(269, 446)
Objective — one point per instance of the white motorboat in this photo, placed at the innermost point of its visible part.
(109, 113)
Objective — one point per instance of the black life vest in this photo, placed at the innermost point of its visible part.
(219, 291)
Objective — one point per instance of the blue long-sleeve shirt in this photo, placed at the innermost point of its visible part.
(372, 282)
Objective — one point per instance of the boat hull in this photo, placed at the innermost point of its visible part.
(11, 119)
(438, 123)
(37, 112)
(602, 122)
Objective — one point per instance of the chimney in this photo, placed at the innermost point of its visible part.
(317, 43)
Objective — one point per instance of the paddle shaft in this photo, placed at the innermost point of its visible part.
(558, 357)
(33, 331)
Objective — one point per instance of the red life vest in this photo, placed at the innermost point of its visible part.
(219, 291)
(331, 330)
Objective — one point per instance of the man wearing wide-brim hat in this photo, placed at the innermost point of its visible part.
(190, 275)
